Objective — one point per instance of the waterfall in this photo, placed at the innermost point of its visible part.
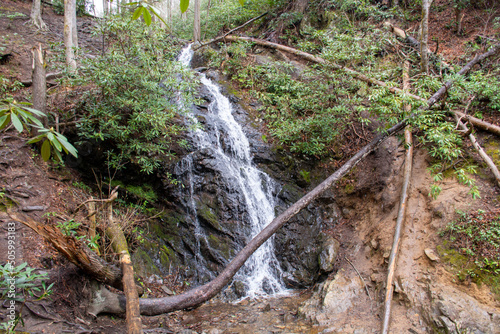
(230, 149)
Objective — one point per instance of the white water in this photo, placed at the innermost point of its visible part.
(261, 274)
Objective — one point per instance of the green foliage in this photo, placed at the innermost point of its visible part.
(21, 116)
(8, 87)
(360, 10)
(302, 114)
(476, 235)
(19, 284)
(83, 7)
(26, 282)
(146, 11)
(55, 142)
(134, 104)
(224, 15)
(69, 227)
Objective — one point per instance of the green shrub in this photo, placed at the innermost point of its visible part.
(134, 104)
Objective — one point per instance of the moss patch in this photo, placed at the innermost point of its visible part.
(472, 248)
(206, 214)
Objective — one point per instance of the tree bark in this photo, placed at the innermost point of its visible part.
(69, 8)
(36, 15)
(479, 123)
(389, 288)
(119, 245)
(39, 87)
(76, 252)
(196, 25)
(424, 36)
(74, 26)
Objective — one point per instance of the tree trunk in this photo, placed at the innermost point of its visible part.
(119, 245)
(459, 16)
(74, 26)
(196, 26)
(424, 36)
(36, 15)
(75, 251)
(299, 6)
(69, 9)
(169, 8)
(389, 288)
(39, 86)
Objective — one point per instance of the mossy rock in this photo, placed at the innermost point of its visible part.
(206, 214)
(143, 263)
(222, 245)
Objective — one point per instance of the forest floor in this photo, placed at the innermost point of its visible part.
(365, 232)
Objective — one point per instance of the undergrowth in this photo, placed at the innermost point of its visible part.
(473, 247)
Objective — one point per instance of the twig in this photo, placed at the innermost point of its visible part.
(362, 280)
(114, 195)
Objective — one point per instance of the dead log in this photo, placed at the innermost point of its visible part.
(320, 60)
(413, 42)
(49, 76)
(480, 150)
(119, 245)
(75, 251)
(389, 288)
(196, 47)
(39, 88)
(479, 123)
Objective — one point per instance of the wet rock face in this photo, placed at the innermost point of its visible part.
(221, 216)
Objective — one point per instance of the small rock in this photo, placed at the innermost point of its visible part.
(33, 208)
(431, 254)
(214, 331)
(244, 302)
(328, 254)
(167, 290)
(374, 243)
(267, 308)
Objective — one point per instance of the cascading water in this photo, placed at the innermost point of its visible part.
(229, 148)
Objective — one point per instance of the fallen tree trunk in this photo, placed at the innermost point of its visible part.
(389, 288)
(119, 245)
(491, 165)
(320, 60)
(479, 123)
(196, 47)
(75, 251)
(112, 303)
